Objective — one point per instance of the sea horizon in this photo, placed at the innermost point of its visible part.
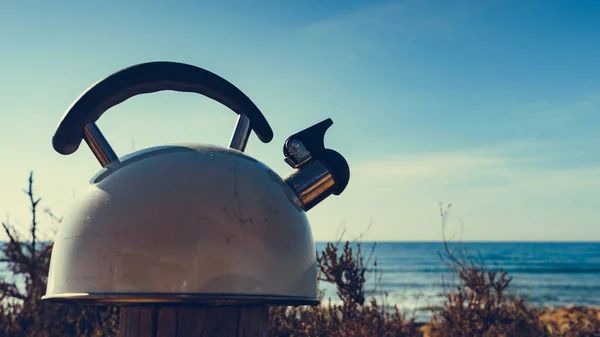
(545, 273)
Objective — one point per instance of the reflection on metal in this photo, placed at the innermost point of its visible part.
(311, 179)
(313, 183)
(204, 298)
(240, 135)
(99, 145)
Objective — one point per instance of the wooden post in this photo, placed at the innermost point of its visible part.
(193, 321)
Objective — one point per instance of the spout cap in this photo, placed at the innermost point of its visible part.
(339, 168)
(319, 172)
(312, 139)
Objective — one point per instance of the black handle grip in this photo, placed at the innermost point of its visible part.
(148, 78)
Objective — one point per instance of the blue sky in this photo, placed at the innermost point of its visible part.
(491, 105)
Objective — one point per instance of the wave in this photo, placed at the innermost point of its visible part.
(530, 287)
(510, 270)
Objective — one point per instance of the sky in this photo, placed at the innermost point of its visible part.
(493, 106)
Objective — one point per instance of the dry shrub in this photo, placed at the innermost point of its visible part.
(22, 313)
(479, 304)
(328, 320)
(348, 271)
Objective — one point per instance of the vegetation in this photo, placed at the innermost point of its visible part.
(478, 305)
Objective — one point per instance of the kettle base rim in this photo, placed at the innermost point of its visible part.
(203, 299)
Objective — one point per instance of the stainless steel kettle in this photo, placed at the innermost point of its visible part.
(190, 223)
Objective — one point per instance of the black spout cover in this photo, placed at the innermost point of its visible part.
(339, 168)
(313, 139)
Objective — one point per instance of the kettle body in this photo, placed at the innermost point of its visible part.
(186, 222)
(190, 223)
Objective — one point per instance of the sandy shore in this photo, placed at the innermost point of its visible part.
(572, 317)
(560, 320)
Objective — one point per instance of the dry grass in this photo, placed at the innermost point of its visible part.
(477, 305)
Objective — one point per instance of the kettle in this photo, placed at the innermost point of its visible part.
(190, 223)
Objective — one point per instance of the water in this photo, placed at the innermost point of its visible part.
(545, 274)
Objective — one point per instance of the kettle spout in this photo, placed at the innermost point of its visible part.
(318, 172)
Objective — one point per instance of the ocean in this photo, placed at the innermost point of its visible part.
(544, 274)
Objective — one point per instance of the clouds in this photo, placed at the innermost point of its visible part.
(507, 165)
(511, 191)
(428, 166)
(389, 18)
(562, 114)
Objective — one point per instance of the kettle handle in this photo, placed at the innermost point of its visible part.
(78, 122)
